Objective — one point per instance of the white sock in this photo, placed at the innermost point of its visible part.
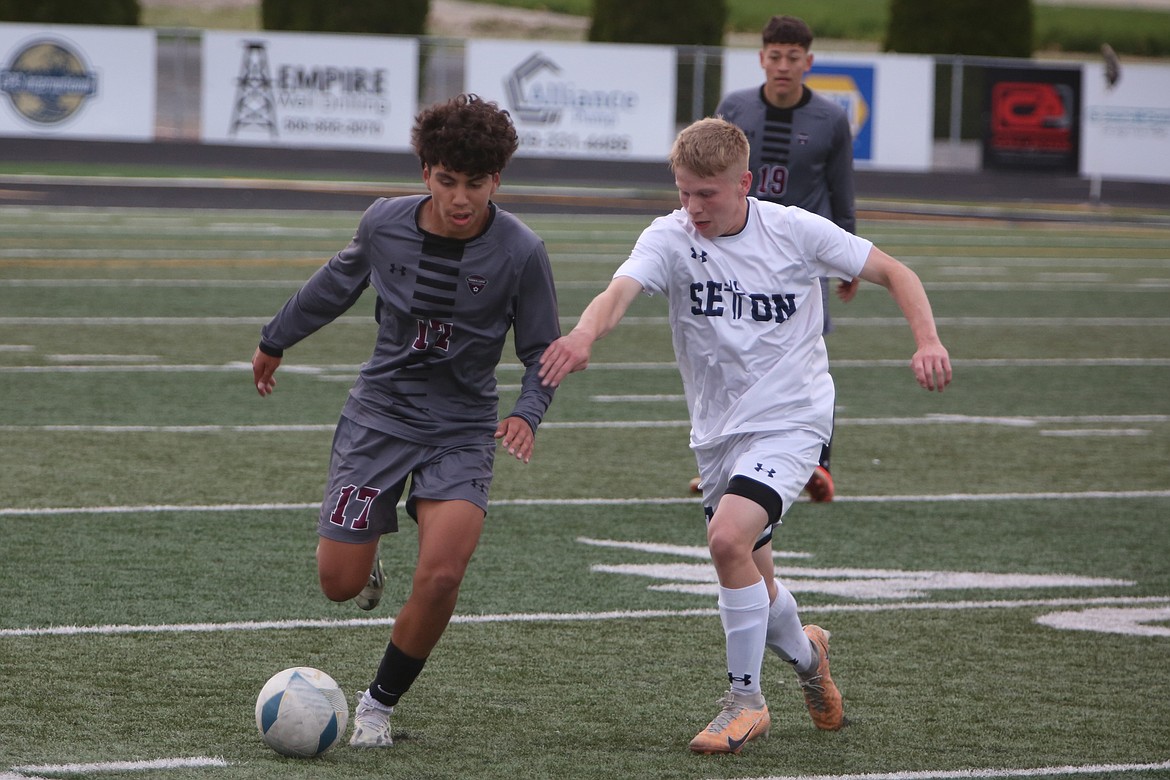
(370, 701)
(786, 637)
(744, 612)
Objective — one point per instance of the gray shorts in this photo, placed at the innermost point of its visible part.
(368, 471)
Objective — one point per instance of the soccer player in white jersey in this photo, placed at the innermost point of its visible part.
(801, 155)
(453, 275)
(740, 277)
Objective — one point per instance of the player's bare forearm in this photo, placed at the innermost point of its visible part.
(931, 363)
(571, 352)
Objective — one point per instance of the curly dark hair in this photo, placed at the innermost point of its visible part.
(465, 134)
(787, 29)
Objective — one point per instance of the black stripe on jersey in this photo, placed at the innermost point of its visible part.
(441, 246)
(438, 268)
(777, 135)
(438, 284)
(405, 399)
(419, 295)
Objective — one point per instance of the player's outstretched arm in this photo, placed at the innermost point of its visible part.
(263, 368)
(571, 352)
(931, 363)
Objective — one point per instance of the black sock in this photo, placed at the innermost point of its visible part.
(396, 673)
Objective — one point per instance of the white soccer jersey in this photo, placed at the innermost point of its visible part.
(746, 316)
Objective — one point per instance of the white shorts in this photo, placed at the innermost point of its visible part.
(782, 462)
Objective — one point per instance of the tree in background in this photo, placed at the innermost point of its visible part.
(682, 22)
(992, 28)
(400, 17)
(119, 12)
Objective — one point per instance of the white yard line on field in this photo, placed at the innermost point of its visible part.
(198, 762)
(131, 367)
(981, 774)
(1019, 421)
(1089, 433)
(860, 322)
(568, 617)
(1079, 282)
(1102, 495)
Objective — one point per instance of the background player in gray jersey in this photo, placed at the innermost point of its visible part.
(801, 155)
(453, 274)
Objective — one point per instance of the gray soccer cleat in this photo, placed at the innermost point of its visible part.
(370, 595)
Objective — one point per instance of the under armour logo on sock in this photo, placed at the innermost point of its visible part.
(746, 679)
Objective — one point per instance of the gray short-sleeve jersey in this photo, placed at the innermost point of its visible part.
(444, 310)
(800, 156)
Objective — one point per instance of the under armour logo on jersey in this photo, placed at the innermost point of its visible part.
(770, 472)
(398, 269)
(700, 255)
(476, 283)
(746, 679)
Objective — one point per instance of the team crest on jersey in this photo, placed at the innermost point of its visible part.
(476, 283)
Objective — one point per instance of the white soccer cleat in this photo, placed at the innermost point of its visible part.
(371, 724)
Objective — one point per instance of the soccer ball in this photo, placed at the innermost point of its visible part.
(301, 712)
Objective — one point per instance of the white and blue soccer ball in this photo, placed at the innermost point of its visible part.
(301, 712)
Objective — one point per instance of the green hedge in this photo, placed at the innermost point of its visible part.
(119, 12)
(681, 22)
(400, 17)
(991, 28)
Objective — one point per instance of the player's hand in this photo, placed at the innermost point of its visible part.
(847, 289)
(263, 368)
(516, 437)
(932, 367)
(564, 356)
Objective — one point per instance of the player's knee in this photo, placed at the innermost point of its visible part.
(724, 544)
(438, 582)
(339, 586)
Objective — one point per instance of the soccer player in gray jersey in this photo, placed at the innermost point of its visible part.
(801, 155)
(453, 274)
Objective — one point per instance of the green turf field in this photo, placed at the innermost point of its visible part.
(995, 571)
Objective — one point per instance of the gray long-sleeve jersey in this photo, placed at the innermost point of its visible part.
(445, 307)
(800, 156)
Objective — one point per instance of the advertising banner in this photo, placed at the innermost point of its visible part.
(591, 101)
(1126, 125)
(1032, 119)
(289, 89)
(888, 99)
(77, 82)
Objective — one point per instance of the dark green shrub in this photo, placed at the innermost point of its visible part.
(991, 28)
(120, 12)
(400, 17)
(682, 22)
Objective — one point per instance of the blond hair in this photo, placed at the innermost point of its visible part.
(710, 147)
